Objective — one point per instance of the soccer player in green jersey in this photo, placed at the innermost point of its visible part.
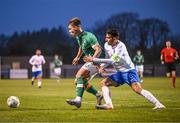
(138, 61)
(57, 64)
(89, 46)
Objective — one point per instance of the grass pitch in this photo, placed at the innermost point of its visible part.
(48, 103)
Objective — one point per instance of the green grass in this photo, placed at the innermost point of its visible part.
(48, 103)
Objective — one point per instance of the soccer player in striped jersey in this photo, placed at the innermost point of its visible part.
(89, 46)
(169, 56)
(117, 55)
(37, 61)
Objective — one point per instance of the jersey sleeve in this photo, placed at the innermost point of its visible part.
(43, 60)
(105, 52)
(175, 51)
(77, 39)
(31, 60)
(93, 40)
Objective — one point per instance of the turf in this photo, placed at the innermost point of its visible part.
(48, 103)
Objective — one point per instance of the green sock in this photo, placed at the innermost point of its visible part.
(79, 87)
(90, 88)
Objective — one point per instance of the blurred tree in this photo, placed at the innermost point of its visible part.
(126, 23)
(3, 42)
(147, 35)
(153, 32)
(50, 42)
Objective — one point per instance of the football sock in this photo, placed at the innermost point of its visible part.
(149, 97)
(79, 87)
(32, 79)
(174, 81)
(39, 83)
(106, 95)
(90, 88)
(78, 98)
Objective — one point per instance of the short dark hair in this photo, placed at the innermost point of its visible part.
(75, 21)
(168, 41)
(112, 31)
(38, 49)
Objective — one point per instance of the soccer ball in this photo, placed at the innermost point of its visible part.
(13, 102)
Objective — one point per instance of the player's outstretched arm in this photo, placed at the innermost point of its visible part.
(43, 60)
(31, 61)
(98, 51)
(162, 60)
(98, 60)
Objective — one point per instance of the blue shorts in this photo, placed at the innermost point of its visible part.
(128, 77)
(37, 73)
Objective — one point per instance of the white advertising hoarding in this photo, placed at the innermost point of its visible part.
(18, 73)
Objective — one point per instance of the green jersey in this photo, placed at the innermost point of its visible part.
(138, 59)
(86, 41)
(57, 63)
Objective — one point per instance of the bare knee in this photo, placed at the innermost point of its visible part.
(136, 88)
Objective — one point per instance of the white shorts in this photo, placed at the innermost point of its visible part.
(57, 71)
(93, 69)
(140, 68)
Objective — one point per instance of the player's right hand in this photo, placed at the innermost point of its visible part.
(75, 61)
(162, 62)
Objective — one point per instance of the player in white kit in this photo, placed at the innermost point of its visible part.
(37, 61)
(117, 55)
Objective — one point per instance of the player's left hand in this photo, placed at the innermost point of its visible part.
(88, 59)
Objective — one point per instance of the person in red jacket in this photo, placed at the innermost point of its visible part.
(168, 57)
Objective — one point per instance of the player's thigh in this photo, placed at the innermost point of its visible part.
(91, 68)
(82, 73)
(173, 73)
(168, 69)
(108, 82)
(88, 69)
(141, 68)
(130, 77)
(39, 75)
(116, 79)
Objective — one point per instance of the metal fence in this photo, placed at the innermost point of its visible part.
(68, 71)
